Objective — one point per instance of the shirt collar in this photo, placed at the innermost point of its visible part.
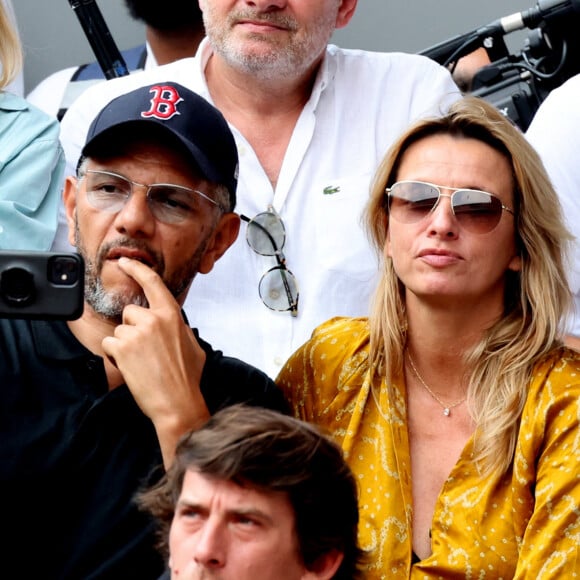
(11, 102)
(54, 340)
(150, 60)
(324, 77)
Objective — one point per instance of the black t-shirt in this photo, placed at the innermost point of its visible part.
(73, 454)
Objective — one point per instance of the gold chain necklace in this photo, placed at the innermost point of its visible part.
(446, 408)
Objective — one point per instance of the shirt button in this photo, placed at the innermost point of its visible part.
(278, 361)
(91, 365)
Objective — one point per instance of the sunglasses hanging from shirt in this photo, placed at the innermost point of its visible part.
(266, 235)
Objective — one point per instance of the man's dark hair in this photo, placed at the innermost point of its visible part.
(173, 15)
(268, 451)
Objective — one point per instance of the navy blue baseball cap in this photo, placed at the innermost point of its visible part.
(196, 125)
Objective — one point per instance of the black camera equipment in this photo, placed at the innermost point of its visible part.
(99, 37)
(517, 83)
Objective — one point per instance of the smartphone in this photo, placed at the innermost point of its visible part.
(41, 285)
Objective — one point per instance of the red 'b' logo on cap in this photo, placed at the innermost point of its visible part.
(164, 102)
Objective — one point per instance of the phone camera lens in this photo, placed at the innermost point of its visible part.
(17, 287)
(63, 271)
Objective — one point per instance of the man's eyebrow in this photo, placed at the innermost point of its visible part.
(190, 504)
(251, 512)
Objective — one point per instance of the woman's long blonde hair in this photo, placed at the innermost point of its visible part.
(10, 50)
(536, 298)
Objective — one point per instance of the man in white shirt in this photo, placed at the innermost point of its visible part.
(311, 122)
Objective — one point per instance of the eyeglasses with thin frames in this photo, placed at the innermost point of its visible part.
(266, 235)
(169, 203)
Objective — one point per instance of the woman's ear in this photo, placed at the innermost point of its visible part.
(515, 264)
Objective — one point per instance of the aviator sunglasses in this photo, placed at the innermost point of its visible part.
(478, 212)
(266, 235)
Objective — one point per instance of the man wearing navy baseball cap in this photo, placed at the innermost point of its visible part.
(92, 408)
(197, 127)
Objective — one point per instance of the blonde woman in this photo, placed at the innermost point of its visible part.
(455, 403)
(31, 159)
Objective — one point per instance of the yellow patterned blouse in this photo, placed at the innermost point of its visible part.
(524, 525)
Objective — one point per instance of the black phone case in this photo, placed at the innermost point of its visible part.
(41, 285)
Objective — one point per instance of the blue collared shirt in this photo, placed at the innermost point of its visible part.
(31, 175)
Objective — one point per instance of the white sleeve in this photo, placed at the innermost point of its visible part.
(555, 134)
(49, 93)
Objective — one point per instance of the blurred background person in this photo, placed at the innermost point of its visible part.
(468, 66)
(31, 158)
(16, 85)
(171, 32)
(555, 134)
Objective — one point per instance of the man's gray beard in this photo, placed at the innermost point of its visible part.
(278, 63)
(109, 304)
(266, 67)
